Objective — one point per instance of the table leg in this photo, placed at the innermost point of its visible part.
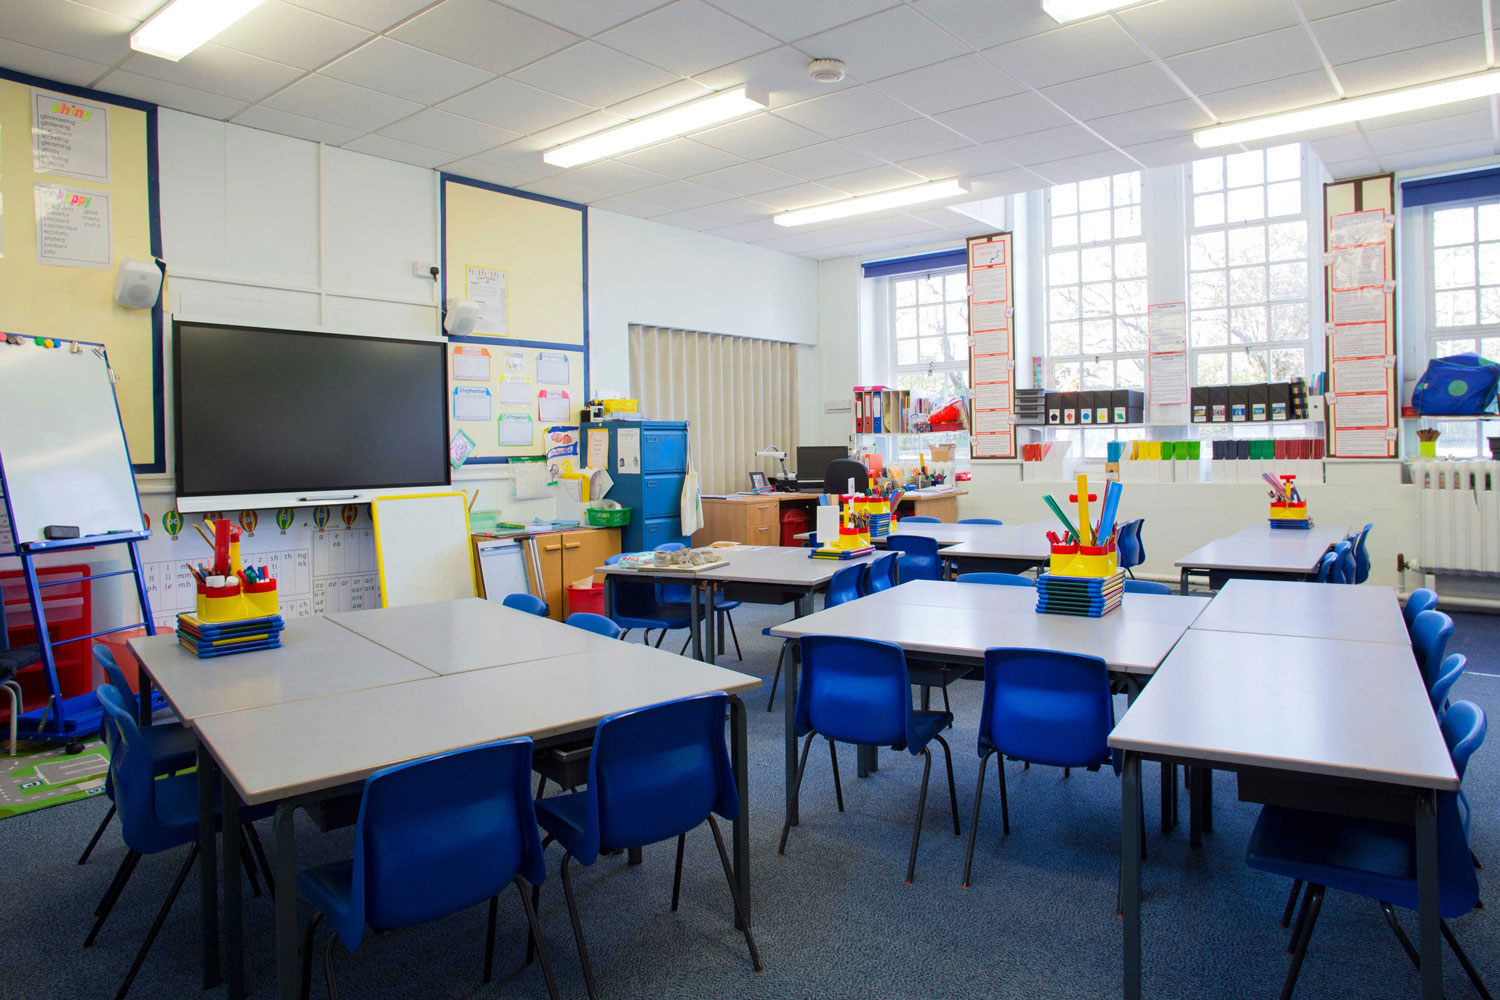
(208, 871)
(695, 604)
(1168, 797)
(234, 940)
(1183, 585)
(1207, 818)
(288, 959)
(1195, 806)
(1427, 896)
(789, 681)
(145, 695)
(739, 757)
(1130, 871)
(609, 596)
(708, 624)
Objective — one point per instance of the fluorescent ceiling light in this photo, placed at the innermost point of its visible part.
(1355, 109)
(914, 195)
(684, 118)
(183, 25)
(1063, 11)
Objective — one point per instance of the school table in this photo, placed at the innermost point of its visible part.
(1367, 613)
(1006, 548)
(1313, 731)
(1262, 552)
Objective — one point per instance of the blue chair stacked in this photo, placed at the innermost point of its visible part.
(434, 836)
(677, 594)
(1373, 859)
(1359, 541)
(1129, 547)
(1429, 644)
(529, 603)
(881, 573)
(977, 520)
(598, 624)
(921, 519)
(636, 606)
(1418, 601)
(1147, 587)
(859, 691)
(842, 588)
(1343, 554)
(998, 579)
(918, 556)
(656, 773)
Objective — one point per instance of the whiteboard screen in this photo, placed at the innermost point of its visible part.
(61, 446)
(502, 567)
(422, 544)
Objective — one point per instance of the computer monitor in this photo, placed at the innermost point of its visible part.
(812, 461)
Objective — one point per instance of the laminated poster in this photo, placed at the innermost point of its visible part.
(72, 227)
(486, 288)
(69, 137)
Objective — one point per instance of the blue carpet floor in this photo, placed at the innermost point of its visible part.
(833, 917)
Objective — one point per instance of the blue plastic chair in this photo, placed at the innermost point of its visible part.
(529, 603)
(977, 520)
(670, 594)
(1418, 601)
(434, 836)
(1429, 643)
(590, 622)
(1328, 570)
(1043, 707)
(1373, 859)
(882, 573)
(1147, 587)
(636, 606)
(656, 773)
(918, 557)
(1361, 553)
(848, 584)
(1343, 556)
(859, 691)
(1452, 670)
(1128, 545)
(921, 519)
(998, 579)
(156, 815)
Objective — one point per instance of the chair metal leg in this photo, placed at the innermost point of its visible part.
(489, 939)
(662, 635)
(1291, 945)
(916, 833)
(1315, 903)
(947, 705)
(308, 937)
(838, 789)
(583, 951)
(161, 918)
(261, 859)
(677, 873)
(1463, 960)
(536, 936)
(952, 789)
(1406, 945)
(734, 893)
(777, 678)
(684, 643)
(733, 635)
(111, 895)
(974, 820)
(333, 989)
(114, 882)
(1004, 803)
(541, 786)
(94, 840)
(786, 826)
(1291, 903)
(247, 862)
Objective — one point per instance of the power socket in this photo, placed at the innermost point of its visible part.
(423, 269)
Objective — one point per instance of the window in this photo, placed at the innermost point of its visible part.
(929, 316)
(1096, 284)
(1248, 267)
(1464, 307)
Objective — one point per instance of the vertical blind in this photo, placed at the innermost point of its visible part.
(739, 394)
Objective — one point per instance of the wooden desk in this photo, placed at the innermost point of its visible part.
(755, 519)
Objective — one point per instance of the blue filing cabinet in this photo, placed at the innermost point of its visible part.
(653, 489)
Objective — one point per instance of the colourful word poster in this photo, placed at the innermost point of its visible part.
(515, 430)
(69, 138)
(486, 288)
(552, 368)
(552, 405)
(460, 448)
(471, 363)
(471, 402)
(72, 227)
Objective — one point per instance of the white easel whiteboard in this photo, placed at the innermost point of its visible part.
(62, 449)
(422, 545)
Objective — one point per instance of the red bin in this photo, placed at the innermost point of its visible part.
(587, 597)
(793, 523)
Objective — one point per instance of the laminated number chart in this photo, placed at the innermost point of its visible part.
(991, 346)
(1359, 260)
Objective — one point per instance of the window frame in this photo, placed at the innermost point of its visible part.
(908, 446)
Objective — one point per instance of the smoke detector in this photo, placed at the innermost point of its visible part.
(826, 70)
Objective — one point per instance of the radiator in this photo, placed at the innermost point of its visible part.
(1459, 514)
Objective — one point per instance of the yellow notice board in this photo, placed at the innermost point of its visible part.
(521, 258)
(77, 194)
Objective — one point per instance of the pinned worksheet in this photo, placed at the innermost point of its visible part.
(471, 402)
(515, 430)
(552, 405)
(552, 368)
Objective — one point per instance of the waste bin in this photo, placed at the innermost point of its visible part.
(793, 523)
(586, 595)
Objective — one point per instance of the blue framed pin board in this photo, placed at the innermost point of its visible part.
(68, 469)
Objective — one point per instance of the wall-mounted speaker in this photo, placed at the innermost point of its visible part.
(137, 283)
(462, 315)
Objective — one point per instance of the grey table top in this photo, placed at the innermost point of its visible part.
(1329, 707)
(1009, 541)
(1367, 613)
(1266, 549)
(307, 746)
(771, 564)
(450, 637)
(1170, 610)
(316, 659)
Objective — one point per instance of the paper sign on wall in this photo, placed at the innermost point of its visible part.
(598, 448)
(72, 227)
(552, 404)
(515, 361)
(515, 391)
(515, 429)
(628, 449)
(460, 448)
(69, 137)
(470, 363)
(486, 288)
(471, 402)
(562, 448)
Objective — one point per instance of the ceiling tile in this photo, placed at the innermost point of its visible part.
(72, 28)
(480, 170)
(576, 128)
(1083, 48)
(592, 74)
(136, 10)
(913, 138)
(1342, 148)
(523, 156)
(747, 232)
(484, 34)
(1300, 90)
(1052, 144)
(556, 187)
(1428, 157)
(683, 220)
(1172, 27)
(1271, 56)
(170, 95)
(1470, 126)
(680, 195)
(1005, 117)
(872, 180)
(288, 34)
(377, 15)
(1352, 168)
(982, 25)
(856, 110)
(584, 17)
(1147, 124)
(342, 103)
(219, 71)
(630, 205)
(1130, 89)
(688, 37)
(793, 19)
(454, 134)
(956, 83)
(1165, 152)
(729, 213)
(51, 65)
(1003, 182)
(680, 158)
(1315, 9)
(1087, 167)
(393, 67)
(758, 136)
(781, 73)
(613, 177)
(270, 120)
(746, 179)
(660, 99)
(511, 104)
(966, 161)
(798, 196)
(1399, 24)
(890, 42)
(823, 160)
(394, 149)
(1409, 67)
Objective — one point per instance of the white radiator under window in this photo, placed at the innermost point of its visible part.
(1460, 516)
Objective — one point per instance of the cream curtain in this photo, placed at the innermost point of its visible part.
(739, 394)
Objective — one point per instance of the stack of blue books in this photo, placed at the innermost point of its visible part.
(210, 639)
(1288, 524)
(1087, 596)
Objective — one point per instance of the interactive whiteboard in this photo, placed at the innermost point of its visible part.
(62, 449)
(422, 545)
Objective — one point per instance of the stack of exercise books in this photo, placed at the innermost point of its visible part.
(209, 639)
(1087, 596)
(831, 553)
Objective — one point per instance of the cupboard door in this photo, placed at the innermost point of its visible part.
(550, 549)
(584, 550)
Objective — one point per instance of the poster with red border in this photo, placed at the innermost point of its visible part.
(992, 346)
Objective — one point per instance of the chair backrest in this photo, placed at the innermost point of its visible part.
(438, 835)
(844, 587)
(919, 556)
(1362, 554)
(1418, 601)
(105, 657)
(882, 573)
(1147, 587)
(921, 519)
(590, 622)
(1327, 569)
(672, 593)
(836, 477)
(1129, 547)
(1343, 561)
(659, 771)
(980, 520)
(1452, 670)
(529, 603)
(130, 773)
(1464, 728)
(855, 690)
(1429, 643)
(1048, 707)
(998, 579)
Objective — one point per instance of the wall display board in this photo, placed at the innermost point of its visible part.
(1166, 352)
(1359, 263)
(523, 259)
(78, 192)
(992, 346)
